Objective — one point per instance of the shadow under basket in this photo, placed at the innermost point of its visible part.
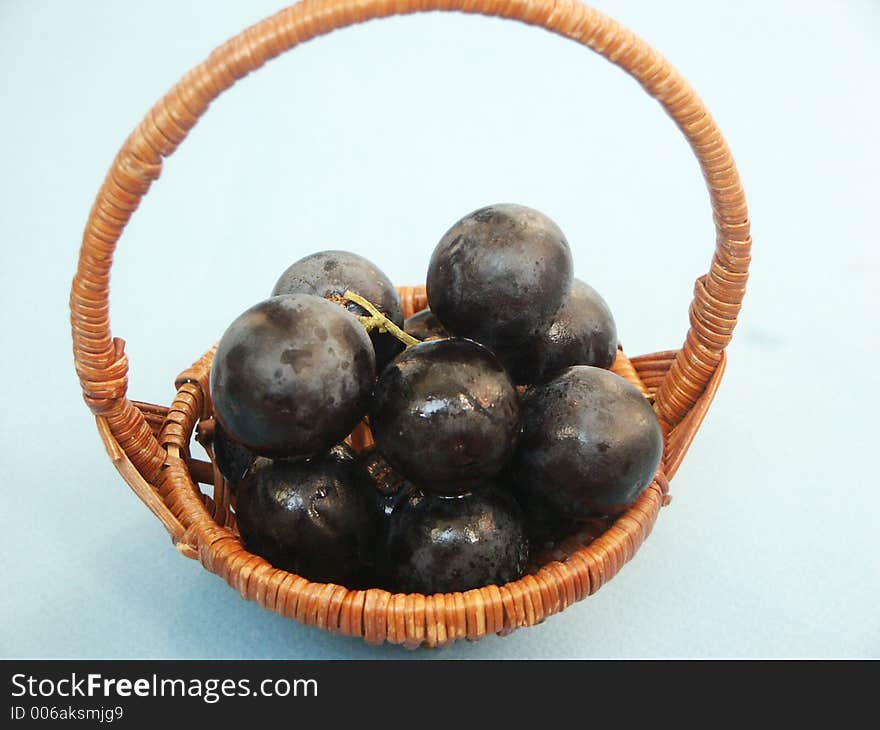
(150, 444)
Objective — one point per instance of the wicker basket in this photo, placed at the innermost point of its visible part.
(150, 445)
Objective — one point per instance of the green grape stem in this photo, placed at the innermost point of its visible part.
(378, 321)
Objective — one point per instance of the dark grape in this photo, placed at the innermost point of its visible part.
(583, 333)
(501, 273)
(545, 524)
(445, 544)
(232, 459)
(310, 517)
(590, 442)
(329, 274)
(445, 414)
(292, 376)
(424, 325)
(341, 452)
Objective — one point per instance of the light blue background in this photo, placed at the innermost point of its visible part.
(376, 139)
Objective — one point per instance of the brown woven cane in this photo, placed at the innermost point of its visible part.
(150, 444)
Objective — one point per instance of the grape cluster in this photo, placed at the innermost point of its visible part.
(498, 427)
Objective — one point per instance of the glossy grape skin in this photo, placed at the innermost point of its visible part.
(501, 273)
(292, 376)
(445, 414)
(232, 459)
(424, 325)
(329, 274)
(446, 544)
(309, 517)
(590, 442)
(583, 333)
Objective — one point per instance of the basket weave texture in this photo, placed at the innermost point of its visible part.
(150, 445)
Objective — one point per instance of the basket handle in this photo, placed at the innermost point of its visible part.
(100, 359)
